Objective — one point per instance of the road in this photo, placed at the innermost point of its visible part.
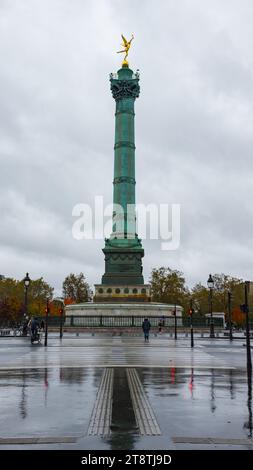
(110, 392)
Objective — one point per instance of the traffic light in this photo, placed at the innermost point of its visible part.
(61, 311)
(243, 308)
(47, 310)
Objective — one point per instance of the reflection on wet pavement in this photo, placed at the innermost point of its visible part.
(196, 403)
(248, 424)
(124, 431)
(120, 351)
(187, 404)
(46, 402)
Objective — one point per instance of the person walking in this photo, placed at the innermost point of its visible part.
(34, 325)
(34, 329)
(146, 328)
(25, 327)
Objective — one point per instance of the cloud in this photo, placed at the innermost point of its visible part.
(193, 130)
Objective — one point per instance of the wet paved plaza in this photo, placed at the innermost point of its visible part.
(116, 392)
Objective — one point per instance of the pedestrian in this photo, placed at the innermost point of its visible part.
(160, 324)
(34, 329)
(25, 327)
(146, 327)
(34, 324)
(42, 325)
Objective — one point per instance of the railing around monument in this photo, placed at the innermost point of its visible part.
(113, 321)
(100, 321)
(128, 322)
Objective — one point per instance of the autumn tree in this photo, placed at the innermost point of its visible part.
(200, 298)
(168, 286)
(238, 317)
(39, 291)
(222, 285)
(76, 288)
(12, 298)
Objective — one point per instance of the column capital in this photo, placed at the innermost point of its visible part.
(125, 84)
(125, 89)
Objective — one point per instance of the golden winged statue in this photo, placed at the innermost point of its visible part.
(126, 44)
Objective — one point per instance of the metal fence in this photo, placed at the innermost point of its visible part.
(94, 321)
(100, 321)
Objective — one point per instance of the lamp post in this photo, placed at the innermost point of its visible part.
(229, 316)
(191, 311)
(27, 281)
(246, 292)
(210, 283)
(90, 295)
(46, 323)
(61, 315)
(175, 314)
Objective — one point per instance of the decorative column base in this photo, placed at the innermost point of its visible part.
(123, 266)
(122, 293)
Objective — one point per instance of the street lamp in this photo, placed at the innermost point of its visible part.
(245, 309)
(90, 295)
(229, 316)
(191, 311)
(175, 324)
(27, 281)
(210, 283)
(47, 311)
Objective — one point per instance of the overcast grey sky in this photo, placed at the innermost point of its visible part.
(194, 122)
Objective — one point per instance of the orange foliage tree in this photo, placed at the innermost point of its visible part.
(238, 317)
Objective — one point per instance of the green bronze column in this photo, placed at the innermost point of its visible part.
(125, 88)
(123, 250)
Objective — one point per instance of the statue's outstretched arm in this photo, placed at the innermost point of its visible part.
(124, 40)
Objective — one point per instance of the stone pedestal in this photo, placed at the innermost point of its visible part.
(121, 314)
(122, 293)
